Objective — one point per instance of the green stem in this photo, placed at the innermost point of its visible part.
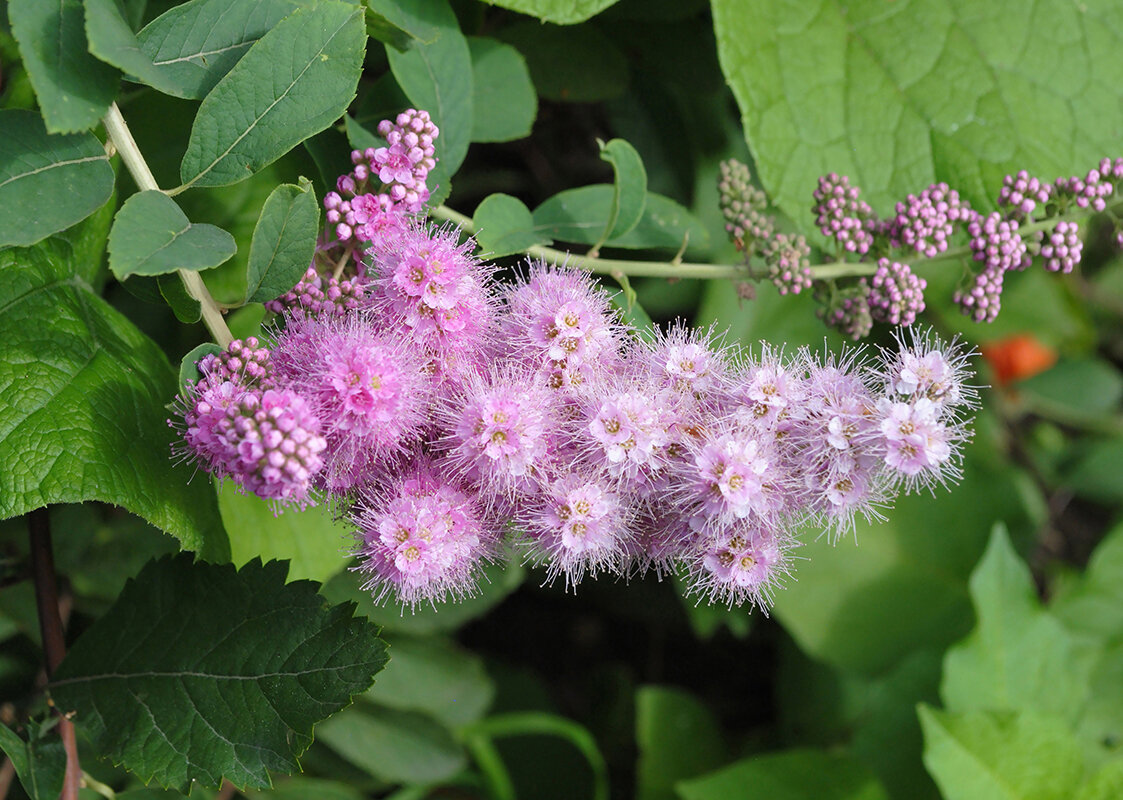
(522, 723)
(122, 139)
(495, 773)
(683, 269)
(105, 791)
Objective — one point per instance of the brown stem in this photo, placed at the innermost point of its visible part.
(7, 772)
(54, 642)
(226, 791)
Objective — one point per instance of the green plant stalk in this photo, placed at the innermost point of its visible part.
(683, 269)
(522, 723)
(496, 776)
(122, 139)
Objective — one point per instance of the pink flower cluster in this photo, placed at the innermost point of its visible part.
(539, 414)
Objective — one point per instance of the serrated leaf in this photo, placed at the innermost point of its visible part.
(284, 241)
(988, 755)
(579, 215)
(560, 12)
(576, 65)
(113, 41)
(295, 81)
(192, 46)
(40, 764)
(189, 366)
(504, 225)
(1019, 657)
(48, 182)
(436, 677)
(152, 236)
(74, 88)
(313, 543)
(396, 746)
(678, 738)
(213, 696)
(787, 775)
(949, 90)
(629, 196)
(84, 417)
(436, 75)
(504, 102)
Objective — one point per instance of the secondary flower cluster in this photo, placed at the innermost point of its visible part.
(1030, 223)
(444, 413)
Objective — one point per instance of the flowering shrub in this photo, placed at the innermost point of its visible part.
(352, 539)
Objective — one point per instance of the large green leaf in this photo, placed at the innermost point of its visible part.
(1019, 656)
(310, 539)
(504, 225)
(787, 775)
(74, 88)
(678, 738)
(84, 415)
(576, 65)
(294, 82)
(113, 41)
(1095, 604)
(152, 236)
(560, 12)
(580, 215)
(233, 694)
(436, 75)
(990, 755)
(40, 762)
(192, 46)
(48, 182)
(1107, 784)
(903, 585)
(900, 96)
(284, 241)
(504, 103)
(396, 746)
(436, 677)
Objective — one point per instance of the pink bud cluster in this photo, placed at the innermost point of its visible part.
(315, 295)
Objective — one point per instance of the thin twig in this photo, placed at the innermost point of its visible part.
(54, 640)
(7, 772)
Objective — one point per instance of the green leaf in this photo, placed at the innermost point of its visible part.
(787, 775)
(311, 540)
(629, 188)
(359, 137)
(188, 367)
(48, 182)
(382, 29)
(209, 696)
(295, 81)
(192, 46)
(576, 65)
(498, 581)
(284, 241)
(1101, 385)
(85, 417)
(1096, 473)
(504, 101)
(904, 584)
(436, 75)
(560, 12)
(678, 738)
(949, 90)
(436, 677)
(504, 226)
(73, 87)
(1019, 657)
(40, 763)
(152, 236)
(579, 215)
(113, 41)
(308, 789)
(988, 755)
(186, 308)
(1095, 605)
(396, 746)
(1107, 784)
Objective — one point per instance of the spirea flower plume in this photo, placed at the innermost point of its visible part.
(441, 415)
